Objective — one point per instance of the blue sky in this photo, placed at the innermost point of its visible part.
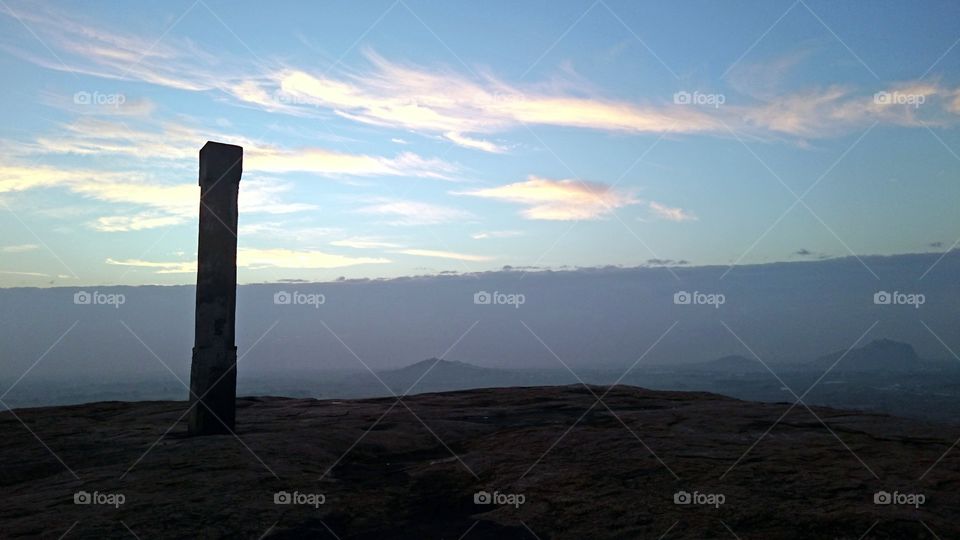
(403, 137)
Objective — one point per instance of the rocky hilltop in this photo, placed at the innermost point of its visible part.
(547, 463)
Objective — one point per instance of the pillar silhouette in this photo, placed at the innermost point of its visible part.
(213, 373)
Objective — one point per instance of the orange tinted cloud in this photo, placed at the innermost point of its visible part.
(561, 200)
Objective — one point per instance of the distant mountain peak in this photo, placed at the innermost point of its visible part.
(437, 374)
(887, 344)
(438, 361)
(888, 349)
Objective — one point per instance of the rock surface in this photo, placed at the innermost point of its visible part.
(411, 469)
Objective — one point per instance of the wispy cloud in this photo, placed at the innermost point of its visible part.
(255, 259)
(455, 106)
(364, 242)
(287, 258)
(670, 213)
(25, 274)
(135, 222)
(436, 101)
(326, 162)
(89, 136)
(142, 203)
(775, 107)
(93, 102)
(837, 110)
(466, 109)
(405, 212)
(98, 136)
(299, 230)
(479, 144)
(438, 254)
(458, 107)
(495, 234)
(547, 199)
(113, 53)
(262, 196)
(19, 248)
(174, 200)
(159, 267)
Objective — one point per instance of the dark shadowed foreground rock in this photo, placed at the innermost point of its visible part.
(412, 470)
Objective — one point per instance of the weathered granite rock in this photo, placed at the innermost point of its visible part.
(393, 476)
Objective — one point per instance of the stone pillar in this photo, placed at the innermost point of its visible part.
(213, 374)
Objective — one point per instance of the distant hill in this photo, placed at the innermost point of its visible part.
(881, 355)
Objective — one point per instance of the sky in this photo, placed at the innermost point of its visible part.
(403, 137)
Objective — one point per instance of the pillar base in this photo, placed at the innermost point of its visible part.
(213, 378)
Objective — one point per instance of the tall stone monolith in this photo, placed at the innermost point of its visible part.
(213, 374)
